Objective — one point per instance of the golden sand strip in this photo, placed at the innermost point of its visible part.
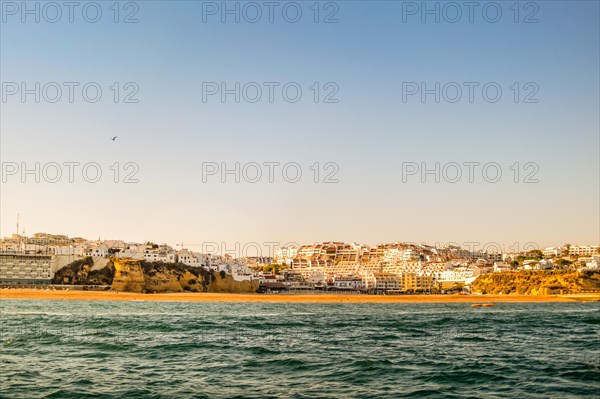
(317, 297)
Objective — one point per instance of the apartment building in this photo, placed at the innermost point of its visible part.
(416, 282)
(394, 253)
(342, 268)
(584, 250)
(552, 252)
(348, 283)
(460, 273)
(23, 269)
(383, 281)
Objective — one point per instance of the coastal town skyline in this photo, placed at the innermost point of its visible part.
(266, 247)
(397, 267)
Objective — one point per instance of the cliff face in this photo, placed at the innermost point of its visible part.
(170, 277)
(80, 272)
(536, 282)
(130, 275)
(140, 276)
(228, 284)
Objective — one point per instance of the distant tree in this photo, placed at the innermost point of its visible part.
(536, 254)
(274, 268)
(563, 262)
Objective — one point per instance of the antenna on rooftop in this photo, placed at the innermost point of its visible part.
(17, 224)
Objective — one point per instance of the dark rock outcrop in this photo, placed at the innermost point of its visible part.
(80, 272)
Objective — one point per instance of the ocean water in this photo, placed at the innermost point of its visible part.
(73, 349)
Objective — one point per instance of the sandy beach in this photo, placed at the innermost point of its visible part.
(317, 297)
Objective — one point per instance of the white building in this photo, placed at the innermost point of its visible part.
(238, 271)
(285, 255)
(194, 259)
(584, 250)
(383, 281)
(161, 253)
(461, 274)
(97, 251)
(500, 267)
(70, 250)
(593, 263)
(552, 252)
(348, 283)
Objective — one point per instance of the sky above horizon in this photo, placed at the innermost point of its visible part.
(360, 116)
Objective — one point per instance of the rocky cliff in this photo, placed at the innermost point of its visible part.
(537, 282)
(140, 276)
(130, 275)
(81, 272)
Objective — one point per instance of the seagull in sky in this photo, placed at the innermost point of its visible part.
(114, 138)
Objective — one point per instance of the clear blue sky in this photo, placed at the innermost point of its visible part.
(369, 133)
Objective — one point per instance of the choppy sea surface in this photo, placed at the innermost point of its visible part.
(97, 349)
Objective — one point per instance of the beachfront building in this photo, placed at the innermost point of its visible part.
(315, 277)
(383, 281)
(348, 283)
(25, 269)
(415, 282)
(462, 272)
(458, 277)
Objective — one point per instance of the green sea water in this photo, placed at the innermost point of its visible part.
(97, 349)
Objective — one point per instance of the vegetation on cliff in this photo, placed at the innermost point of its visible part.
(80, 272)
(190, 278)
(536, 282)
(141, 276)
(274, 268)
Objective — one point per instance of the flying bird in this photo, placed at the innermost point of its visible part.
(114, 138)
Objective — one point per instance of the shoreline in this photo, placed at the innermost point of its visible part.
(76, 295)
